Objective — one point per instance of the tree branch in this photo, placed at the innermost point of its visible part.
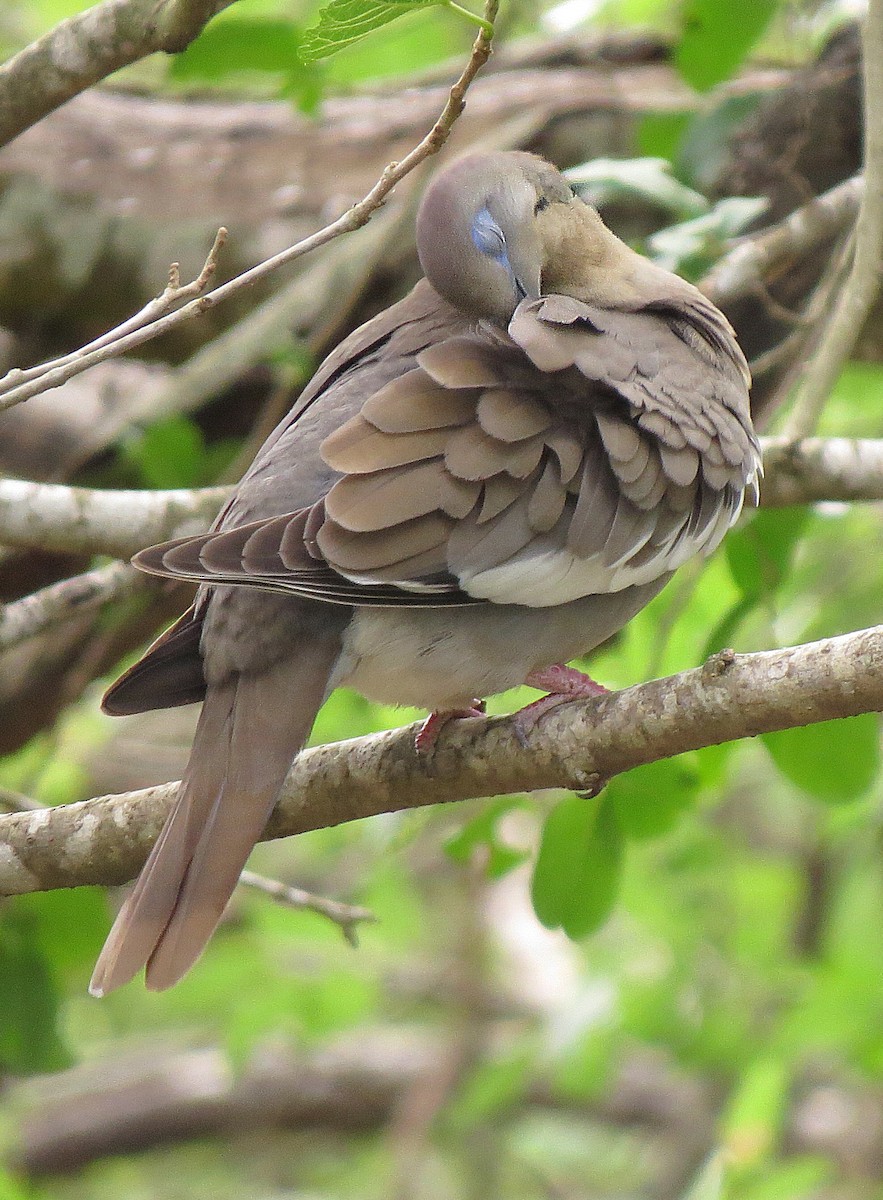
(347, 917)
(73, 520)
(754, 257)
(85, 48)
(17, 386)
(32, 615)
(863, 285)
(580, 745)
(819, 469)
(130, 1102)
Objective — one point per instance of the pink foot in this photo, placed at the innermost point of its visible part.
(429, 731)
(563, 684)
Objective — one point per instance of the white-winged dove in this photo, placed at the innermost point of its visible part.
(485, 481)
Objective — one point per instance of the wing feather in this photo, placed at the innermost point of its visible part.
(587, 450)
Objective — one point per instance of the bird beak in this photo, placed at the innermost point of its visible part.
(526, 268)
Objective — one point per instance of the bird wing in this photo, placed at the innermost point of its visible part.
(585, 451)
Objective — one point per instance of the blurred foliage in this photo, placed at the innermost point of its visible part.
(726, 906)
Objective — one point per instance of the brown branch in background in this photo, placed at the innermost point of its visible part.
(755, 256)
(34, 614)
(863, 285)
(356, 1083)
(580, 745)
(89, 46)
(125, 338)
(15, 802)
(819, 469)
(347, 916)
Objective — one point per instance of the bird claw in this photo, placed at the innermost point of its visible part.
(428, 733)
(563, 685)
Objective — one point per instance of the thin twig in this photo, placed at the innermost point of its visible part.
(863, 285)
(13, 390)
(790, 356)
(11, 801)
(55, 372)
(347, 916)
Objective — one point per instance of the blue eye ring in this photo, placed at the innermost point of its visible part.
(487, 236)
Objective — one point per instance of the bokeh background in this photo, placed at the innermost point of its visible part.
(698, 1013)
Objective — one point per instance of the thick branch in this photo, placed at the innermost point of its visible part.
(127, 1104)
(818, 469)
(580, 745)
(90, 46)
(73, 520)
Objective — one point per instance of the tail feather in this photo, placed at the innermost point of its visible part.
(250, 730)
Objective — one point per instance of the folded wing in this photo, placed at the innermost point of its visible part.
(587, 451)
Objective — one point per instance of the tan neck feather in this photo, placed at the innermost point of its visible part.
(583, 259)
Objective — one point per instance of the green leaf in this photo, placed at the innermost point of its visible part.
(424, 39)
(70, 927)
(234, 44)
(760, 553)
(578, 869)
(648, 179)
(834, 761)
(755, 1112)
(168, 454)
(716, 39)
(12, 1189)
(705, 145)
(173, 453)
(709, 1184)
(481, 833)
(29, 1036)
(660, 134)
(649, 800)
(343, 22)
(691, 247)
(237, 44)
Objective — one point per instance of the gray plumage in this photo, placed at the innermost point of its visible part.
(491, 477)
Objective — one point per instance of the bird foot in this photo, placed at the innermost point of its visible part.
(428, 733)
(563, 685)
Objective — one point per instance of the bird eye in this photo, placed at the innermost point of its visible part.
(540, 205)
(487, 235)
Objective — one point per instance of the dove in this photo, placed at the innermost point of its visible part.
(484, 482)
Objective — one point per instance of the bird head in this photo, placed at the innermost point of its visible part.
(494, 229)
(476, 232)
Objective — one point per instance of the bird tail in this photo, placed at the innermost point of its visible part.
(250, 729)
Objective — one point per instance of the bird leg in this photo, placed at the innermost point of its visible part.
(563, 684)
(427, 734)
